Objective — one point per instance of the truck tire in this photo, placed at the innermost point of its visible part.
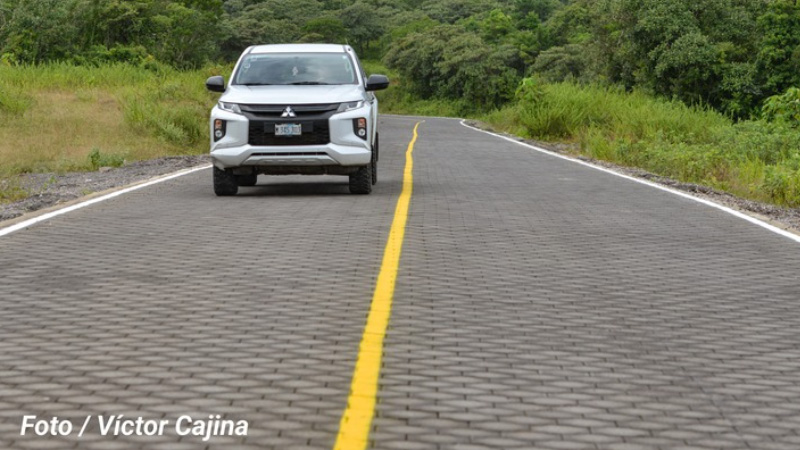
(224, 183)
(375, 154)
(361, 180)
(374, 170)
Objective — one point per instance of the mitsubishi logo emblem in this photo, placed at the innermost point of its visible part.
(288, 112)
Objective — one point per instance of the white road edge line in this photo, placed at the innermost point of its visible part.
(58, 212)
(726, 209)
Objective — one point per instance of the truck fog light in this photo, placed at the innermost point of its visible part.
(360, 127)
(219, 129)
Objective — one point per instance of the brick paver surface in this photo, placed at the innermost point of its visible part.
(171, 301)
(540, 304)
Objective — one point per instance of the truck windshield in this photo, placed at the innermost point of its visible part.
(295, 69)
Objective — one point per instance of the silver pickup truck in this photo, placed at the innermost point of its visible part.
(295, 109)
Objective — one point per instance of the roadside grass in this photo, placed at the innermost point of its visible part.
(754, 160)
(60, 117)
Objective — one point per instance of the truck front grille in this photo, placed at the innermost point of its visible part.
(262, 132)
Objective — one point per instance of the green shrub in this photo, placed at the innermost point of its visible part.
(12, 103)
(782, 185)
(98, 159)
(11, 190)
(784, 107)
(98, 55)
(530, 91)
(562, 63)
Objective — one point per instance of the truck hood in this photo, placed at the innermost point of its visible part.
(293, 95)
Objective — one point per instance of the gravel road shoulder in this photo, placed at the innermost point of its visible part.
(785, 218)
(50, 189)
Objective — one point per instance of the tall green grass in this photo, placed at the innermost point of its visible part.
(566, 111)
(173, 109)
(66, 76)
(12, 102)
(755, 160)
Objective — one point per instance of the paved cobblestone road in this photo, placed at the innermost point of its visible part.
(539, 304)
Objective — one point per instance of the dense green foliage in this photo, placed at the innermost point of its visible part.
(183, 33)
(730, 55)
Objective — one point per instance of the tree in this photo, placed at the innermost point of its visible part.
(698, 51)
(362, 24)
(496, 26)
(451, 11)
(111, 22)
(264, 22)
(449, 62)
(541, 9)
(186, 36)
(328, 29)
(687, 68)
(568, 62)
(779, 56)
(39, 30)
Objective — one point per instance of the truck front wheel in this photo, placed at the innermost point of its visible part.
(361, 180)
(224, 183)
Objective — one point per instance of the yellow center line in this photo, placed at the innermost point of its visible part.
(357, 417)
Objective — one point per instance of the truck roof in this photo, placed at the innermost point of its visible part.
(299, 48)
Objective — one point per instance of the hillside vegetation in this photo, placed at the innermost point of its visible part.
(701, 90)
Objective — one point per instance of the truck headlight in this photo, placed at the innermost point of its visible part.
(230, 107)
(349, 106)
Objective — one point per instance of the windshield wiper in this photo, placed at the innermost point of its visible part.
(308, 83)
(256, 84)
